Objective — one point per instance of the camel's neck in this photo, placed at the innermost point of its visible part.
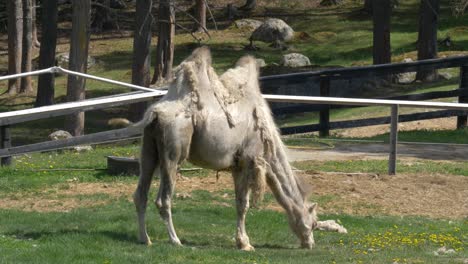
(283, 182)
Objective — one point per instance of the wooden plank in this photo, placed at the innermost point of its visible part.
(5, 142)
(430, 95)
(101, 137)
(19, 116)
(372, 121)
(462, 120)
(374, 70)
(393, 140)
(324, 115)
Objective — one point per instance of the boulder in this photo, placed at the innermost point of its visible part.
(248, 24)
(60, 134)
(273, 29)
(295, 60)
(445, 75)
(82, 148)
(405, 77)
(330, 2)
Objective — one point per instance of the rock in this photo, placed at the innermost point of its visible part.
(330, 2)
(445, 76)
(60, 134)
(62, 60)
(82, 148)
(273, 29)
(444, 251)
(183, 196)
(261, 63)
(247, 24)
(118, 122)
(405, 77)
(295, 60)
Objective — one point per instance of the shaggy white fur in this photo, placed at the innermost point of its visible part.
(219, 122)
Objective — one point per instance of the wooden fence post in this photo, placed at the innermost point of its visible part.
(393, 141)
(462, 120)
(325, 113)
(5, 142)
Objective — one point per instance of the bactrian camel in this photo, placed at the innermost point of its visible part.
(219, 122)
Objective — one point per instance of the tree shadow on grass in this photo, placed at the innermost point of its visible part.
(199, 244)
(117, 236)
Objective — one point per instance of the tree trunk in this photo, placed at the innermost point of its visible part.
(368, 6)
(26, 57)
(102, 16)
(141, 53)
(200, 15)
(78, 62)
(165, 46)
(381, 41)
(249, 5)
(35, 40)
(46, 86)
(15, 42)
(427, 37)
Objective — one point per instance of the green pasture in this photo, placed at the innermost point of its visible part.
(106, 231)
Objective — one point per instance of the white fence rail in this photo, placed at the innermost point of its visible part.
(14, 117)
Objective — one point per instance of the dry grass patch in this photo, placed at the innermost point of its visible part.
(433, 195)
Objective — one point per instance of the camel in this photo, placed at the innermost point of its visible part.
(219, 122)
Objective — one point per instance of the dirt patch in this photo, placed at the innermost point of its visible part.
(67, 196)
(436, 196)
(369, 131)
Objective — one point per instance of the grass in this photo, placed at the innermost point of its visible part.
(106, 231)
(458, 136)
(381, 166)
(106, 234)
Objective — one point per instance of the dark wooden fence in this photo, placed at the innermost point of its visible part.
(324, 77)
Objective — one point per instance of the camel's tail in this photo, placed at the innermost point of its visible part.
(148, 117)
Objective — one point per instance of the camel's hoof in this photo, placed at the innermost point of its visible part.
(176, 243)
(146, 242)
(247, 248)
(307, 245)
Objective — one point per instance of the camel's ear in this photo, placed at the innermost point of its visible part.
(312, 208)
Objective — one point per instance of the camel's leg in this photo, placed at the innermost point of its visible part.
(241, 184)
(148, 163)
(164, 199)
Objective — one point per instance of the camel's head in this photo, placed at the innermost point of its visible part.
(305, 225)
